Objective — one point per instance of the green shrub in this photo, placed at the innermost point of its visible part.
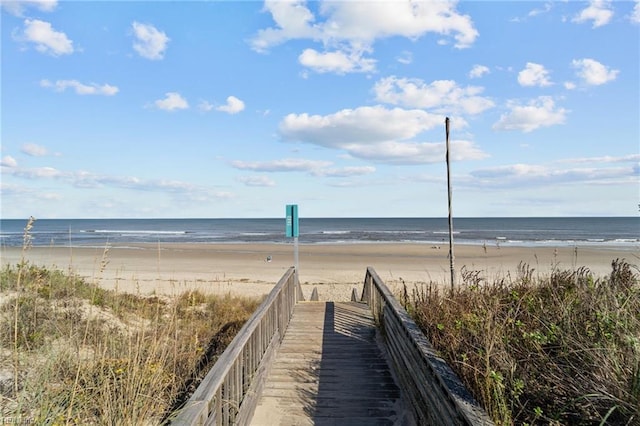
(562, 349)
(83, 354)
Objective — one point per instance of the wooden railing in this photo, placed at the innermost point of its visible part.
(431, 388)
(230, 391)
(228, 394)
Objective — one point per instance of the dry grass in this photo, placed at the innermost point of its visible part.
(78, 354)
(562, 349)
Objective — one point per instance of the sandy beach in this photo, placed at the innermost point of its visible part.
(335, 269)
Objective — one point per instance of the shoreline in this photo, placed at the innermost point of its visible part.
(334, 268)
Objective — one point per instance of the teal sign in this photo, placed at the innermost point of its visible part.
(292, 229)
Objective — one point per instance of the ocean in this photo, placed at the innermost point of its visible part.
(618, 232)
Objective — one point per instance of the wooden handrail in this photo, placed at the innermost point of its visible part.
(431, 388)
(228, 393)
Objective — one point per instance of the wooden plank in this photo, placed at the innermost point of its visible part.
(223, 390)
(435, 393)
(193, 413)
(369, 394)
(257, 384)
(329, 370)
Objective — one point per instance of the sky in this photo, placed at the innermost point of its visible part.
(221, 109)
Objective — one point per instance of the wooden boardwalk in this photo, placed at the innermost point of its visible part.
(329, 370)
(322, 363)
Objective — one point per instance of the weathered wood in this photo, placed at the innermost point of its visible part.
(322, 366)
(256, 385)
(193, 413)
(314, 295)
(329, 370)
(433, 390)
(228, 392)
(354, 295)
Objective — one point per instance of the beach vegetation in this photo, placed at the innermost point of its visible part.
(560, 349)
(76, 353)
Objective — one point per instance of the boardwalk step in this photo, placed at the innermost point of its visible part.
(305, 420)
(329, 370)
(370, 396)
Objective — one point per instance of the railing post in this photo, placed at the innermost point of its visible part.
(366, 291)
(354, 295)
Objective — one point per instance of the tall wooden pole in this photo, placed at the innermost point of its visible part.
(451, 256)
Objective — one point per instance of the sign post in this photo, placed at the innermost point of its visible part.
(292, 231)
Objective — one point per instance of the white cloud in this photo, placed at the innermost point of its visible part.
(374, 133)
(150, 42)
(80, 88)
(283, 165)
(569, 85)
(172, 101)
(350, 28)
(8, 161)
(635, 14)
(598, 11)
(534, 75)
(264, 181)
(38, 173)
(593, 72)
(546, 8)
(46, 39)
(632, 158)
(350, 183)
(293, 21)
(344, 171)
(34, 150)
(515, 170)
(19, 7)
(205, 106)
(339, 62)
(87, 180)
(9, 189)
(478, 71)
(233, 105)
(368, 21)
(441, 95)
(360, 125)
(405, 58)
(394, 152)
(519, 175)
(540, 112)
(50, 196)
(312, 167)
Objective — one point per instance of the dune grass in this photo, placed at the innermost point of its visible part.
(559, 349)
(74, 353)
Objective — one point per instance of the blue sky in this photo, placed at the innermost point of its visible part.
(235, 109)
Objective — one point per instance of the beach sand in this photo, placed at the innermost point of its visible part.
(334, 269)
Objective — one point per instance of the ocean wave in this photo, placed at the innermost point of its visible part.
(133, 232)
(527, 232)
